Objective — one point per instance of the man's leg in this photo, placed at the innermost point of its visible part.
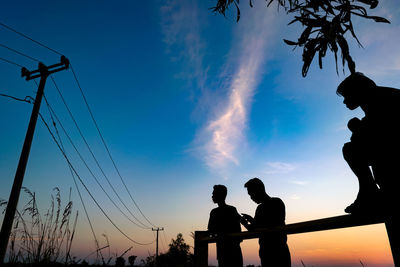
(357, 160)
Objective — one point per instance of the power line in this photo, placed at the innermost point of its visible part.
(98, 164)
(30, 100)
(91, 114)
(87, 189)
(19, 53)
(11, 62)
(98, 250)
(29, 38)
(90, 171)
(83, 184)
(27, 99)
(105, 145)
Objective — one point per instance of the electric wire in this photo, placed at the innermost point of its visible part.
(91, 114)
(105, 145)
(87, 189)
(29, 38)
(83, 184)
(98, 250)
(27, 99)
(143, 225)
(18, 52)
(30, 100)
(97, 163)
(11, 62)
(90, 171)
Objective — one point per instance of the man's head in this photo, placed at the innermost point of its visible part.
(354, 89)
(219, 193)
(255, 189)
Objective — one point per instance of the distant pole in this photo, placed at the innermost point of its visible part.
(43, 72)
(157, 229)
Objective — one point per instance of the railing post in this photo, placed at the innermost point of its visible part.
(200, 249)
(393, 231)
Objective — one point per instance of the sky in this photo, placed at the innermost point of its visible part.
(186, 99)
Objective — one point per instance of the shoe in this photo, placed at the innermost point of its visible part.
(366, 203)
(354, 208)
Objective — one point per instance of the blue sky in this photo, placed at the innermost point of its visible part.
(186, 99)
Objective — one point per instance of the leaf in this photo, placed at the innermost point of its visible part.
(372, 3)
(378, 19)
(351, 29)
(308, 55)
(288, 42)
(237, 12)
(305, 35)
(322, 53)
(359, 8)
(296, 18)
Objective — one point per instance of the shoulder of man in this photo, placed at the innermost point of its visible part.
(214, 210)
(277, 201)
(388, 92)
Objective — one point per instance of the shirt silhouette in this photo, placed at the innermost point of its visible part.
(225, 219)
(269, 213)
(375, 142)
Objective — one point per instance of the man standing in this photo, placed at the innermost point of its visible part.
(225, 219)
(269, 213)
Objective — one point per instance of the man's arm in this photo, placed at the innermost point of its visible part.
(211, 222)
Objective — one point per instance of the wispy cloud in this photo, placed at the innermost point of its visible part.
(295, 197)
(181, 30)
(279, 167)
(297, 182)
(224, 134)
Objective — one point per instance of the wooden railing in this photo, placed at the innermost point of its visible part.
(203, 238)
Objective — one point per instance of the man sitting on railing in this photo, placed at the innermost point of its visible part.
(270, 212)
(225, 219)
(375, 142)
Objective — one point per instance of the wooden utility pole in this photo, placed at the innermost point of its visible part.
(42, 72)
(157, 229)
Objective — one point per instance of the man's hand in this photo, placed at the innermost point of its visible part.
(247, 221)
(247, 218)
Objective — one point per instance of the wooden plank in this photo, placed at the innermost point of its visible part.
(330, 223)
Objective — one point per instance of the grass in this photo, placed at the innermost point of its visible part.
(42, 239)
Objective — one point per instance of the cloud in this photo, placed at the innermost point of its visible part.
(297, 182)
(224, 134)
(380, 41)
(279, 168)
(181, 30)
(295, 197)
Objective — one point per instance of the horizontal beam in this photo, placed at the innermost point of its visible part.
(330, 223)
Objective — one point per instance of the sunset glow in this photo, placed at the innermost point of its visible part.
(185, 99)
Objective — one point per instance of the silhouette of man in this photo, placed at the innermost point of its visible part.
(270, 212)
(225, 219)
(375, 141)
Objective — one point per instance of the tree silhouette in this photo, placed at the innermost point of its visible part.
(178, 255)
(326, 22)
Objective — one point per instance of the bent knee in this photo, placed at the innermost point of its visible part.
(348, 150)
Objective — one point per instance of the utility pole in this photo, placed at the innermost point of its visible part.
(43, 72)
(157, 229)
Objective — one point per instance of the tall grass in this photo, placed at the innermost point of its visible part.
(42, 239)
